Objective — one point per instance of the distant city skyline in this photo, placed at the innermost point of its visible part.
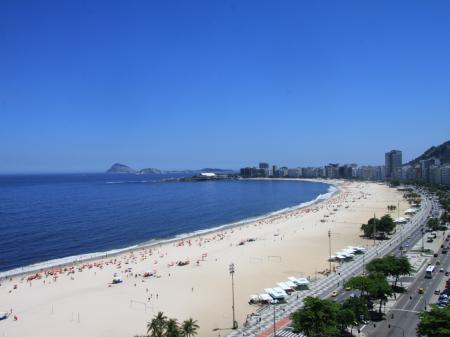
(184, 85)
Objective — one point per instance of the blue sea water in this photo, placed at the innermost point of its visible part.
(45, 217)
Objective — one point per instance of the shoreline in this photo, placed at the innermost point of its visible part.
(294, 244)
(333, 190)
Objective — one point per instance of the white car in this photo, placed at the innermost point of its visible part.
(441, 270)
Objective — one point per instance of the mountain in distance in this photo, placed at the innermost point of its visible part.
(441, 152)
(149, 171)
(121, 168)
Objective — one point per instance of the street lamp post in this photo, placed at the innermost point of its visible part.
(329, 248)
(423, 234)
(274, 320)
(364, 267)
(374, 229)
(401, 240)
(231, 269)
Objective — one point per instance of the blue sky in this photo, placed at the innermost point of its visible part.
(190, 84)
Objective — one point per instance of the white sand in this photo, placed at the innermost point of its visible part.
(291, 244)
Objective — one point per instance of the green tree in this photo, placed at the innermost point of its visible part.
(317, 318)
(386, 224)
(345, 318)
(434, 323)
(400, 267)
(370, 228)
(156, 327)
(358, 306)
(378, 288)
(359, 283)
(172, 328)
(189, 328)
(374, 285)
(390, 266)
(379, 266)
(433, 224)
(445, 217)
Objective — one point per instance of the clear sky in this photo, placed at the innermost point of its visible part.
(191, 84)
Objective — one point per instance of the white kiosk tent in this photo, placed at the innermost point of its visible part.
(411, 211)
(291, 284)
(276, 293)
(401, 220)
(299, 282)
(285, 287)
(261, 298)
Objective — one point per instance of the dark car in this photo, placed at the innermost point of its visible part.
(435, 254)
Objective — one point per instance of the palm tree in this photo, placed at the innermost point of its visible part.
(172, 328)
(157, 325)
(189, 328)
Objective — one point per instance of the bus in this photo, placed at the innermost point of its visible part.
(429, 272)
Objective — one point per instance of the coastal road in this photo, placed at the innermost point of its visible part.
(414, 237)
(405, 311)
(264, 321)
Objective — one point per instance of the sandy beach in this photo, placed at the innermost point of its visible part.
(80, 300)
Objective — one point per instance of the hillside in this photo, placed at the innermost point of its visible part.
(120, 168)
(441, 152)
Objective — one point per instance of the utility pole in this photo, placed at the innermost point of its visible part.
(364, 266)
(274, 321)
(374, 229)
(231, 269)
(423, 234)
(329, 247)
(401, 230)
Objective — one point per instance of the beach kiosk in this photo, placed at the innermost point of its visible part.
(285, 287)
(301, 283)
(411, 211)
(265, 298)
(276, 293)
(261, 298)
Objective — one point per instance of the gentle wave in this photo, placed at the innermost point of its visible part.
(106, 254)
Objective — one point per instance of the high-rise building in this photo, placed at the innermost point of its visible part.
(393, 163)
(294, 173)
(265, 168)
(445, 174)
(274, 170)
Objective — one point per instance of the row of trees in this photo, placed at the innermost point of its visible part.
(384, 225)
(326, 318)
(162, 326)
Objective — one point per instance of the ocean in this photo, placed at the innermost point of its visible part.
(60, 217)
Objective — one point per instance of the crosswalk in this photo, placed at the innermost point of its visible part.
(287, 333)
